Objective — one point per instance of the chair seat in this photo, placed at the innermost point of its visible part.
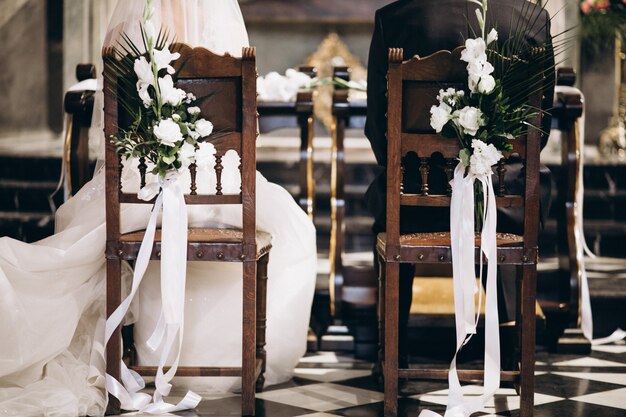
(223, 244)
(435, 247)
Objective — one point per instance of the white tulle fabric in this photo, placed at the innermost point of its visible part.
(52, 292)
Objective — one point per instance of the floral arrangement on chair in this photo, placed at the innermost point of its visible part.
(485, 120)
(488, 117)
(601, 21)
(165, 126)
(161, 125)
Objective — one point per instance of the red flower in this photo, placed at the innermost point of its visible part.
(587, 6)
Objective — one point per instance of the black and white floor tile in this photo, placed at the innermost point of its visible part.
(328, 384)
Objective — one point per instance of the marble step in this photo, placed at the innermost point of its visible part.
(27, 227)
(28, 195)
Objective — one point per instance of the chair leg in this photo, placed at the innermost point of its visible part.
(381, 322)
(261, 318)
(529, 318)
(248, 362)
(390, 367)
(518, 322)
(114, 347)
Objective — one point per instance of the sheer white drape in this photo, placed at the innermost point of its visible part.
(52, 291)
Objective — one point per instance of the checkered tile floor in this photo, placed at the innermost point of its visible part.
(327, 384)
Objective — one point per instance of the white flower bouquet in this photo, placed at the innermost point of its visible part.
(164, 124)
(493, 112)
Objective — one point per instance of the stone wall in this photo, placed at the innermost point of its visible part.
(24, 75)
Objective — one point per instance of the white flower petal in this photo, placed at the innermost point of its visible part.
(492, 36)
(204, 127)
(168, 132)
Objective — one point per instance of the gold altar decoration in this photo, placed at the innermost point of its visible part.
(332, 52)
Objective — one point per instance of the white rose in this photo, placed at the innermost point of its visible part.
(163, 58)
(143, 69)
(440, 115)
(169, 93)
(193, 110)
(483, 158)
(492, 36)
(487, 84)
(475, 50)
(450, 96)
(261, 89)
(470, 119)
(298, 78)
(443, 94)
(187, 154)
(168, 132)
(205, 155)
(275, 87)
(204, 127)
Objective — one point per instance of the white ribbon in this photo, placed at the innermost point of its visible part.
(586, 315)
(464, 279)
(169, 197)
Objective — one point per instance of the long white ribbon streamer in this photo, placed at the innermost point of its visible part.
(586, 314)
(464, 280)
(169, 197)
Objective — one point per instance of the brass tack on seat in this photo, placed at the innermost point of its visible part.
(397, 257)
(242, 257)
(199, 254)
(442, 258)
(501, 258)
(524, 258)
(220, 255)
(120, 252)
(158, 254)
(421, 256)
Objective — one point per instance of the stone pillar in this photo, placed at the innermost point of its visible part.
(565, 15)
(85, 23)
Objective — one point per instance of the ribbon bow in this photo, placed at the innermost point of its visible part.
(170, 198)
(464, 280)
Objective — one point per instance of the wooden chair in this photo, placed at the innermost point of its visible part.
(231, 84)
(353, 284)
(412, 88)
(79, 107)
(559, 284)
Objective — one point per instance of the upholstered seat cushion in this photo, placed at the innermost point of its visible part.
(442, 239)
(215, 235)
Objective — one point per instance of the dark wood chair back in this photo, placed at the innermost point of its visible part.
(229, 86)
(413, 88)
